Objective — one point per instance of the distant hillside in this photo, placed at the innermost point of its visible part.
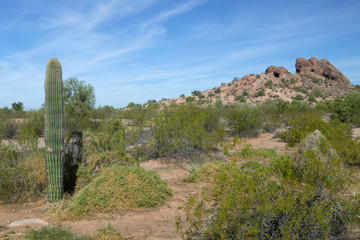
(313, 81)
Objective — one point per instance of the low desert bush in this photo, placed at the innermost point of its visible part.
(182, 132)
(285, 200)
(47, 233)
(346, 109)
(206, 172)
(8, 126)
(338, 134)
(107, 233)
(118, 188)
(35, 122)
(260, 93)
(299, 97)
(244, 121)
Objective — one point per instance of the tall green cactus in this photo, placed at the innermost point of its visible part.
(54, 130)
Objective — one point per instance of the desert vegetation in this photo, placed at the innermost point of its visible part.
(249, 193)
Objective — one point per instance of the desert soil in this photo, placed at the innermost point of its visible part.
(152, 224)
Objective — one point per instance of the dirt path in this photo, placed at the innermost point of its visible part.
(267, 140)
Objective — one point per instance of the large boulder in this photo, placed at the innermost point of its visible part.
(276, 71)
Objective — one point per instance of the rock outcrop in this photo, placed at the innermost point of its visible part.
(314, 81)
(276, 71)
(321, 68)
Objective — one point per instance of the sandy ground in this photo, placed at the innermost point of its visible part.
(153, 224)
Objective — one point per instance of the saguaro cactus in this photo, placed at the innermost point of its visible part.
(54, 130)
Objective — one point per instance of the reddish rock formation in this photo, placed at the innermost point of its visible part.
(276, 71)
(321, 68)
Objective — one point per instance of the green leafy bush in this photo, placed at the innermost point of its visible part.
(300, 89)
(317, 93)
(218, 90)
(260, 93)
(245, 93)
(339, 134)
(312, 99)
(299, 97)
(196, 93)
(346, 109)
(190, 99)
(184, 131)
(240, 98)
(244, 121)
(284, 201)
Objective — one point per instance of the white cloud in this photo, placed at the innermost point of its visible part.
(164, 15)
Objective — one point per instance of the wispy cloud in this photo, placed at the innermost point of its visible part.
(164, 15)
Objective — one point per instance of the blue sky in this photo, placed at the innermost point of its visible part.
(136, 50)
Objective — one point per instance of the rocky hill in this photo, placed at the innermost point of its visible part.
(315, 80)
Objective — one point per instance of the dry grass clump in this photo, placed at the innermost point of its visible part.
(22, 176)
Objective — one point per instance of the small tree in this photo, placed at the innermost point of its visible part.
(18, 107)
(79, 101)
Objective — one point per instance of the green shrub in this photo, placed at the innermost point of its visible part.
(47, 233)
(184, 131)
(300, 89)
(299, 97)
(277, 202)
(117, 188)
(27, 138)
(206, 172)
(218, 90)
(316, 80)
(339, 134)
(8, 126)
(317, 93)
(269, 84)
(104, 112)
(240, 98)
(346, 109)
(260, 93)
(312, 99)
(245, 93)
(107, 233)
(190, 99)
(244, 121)
(196, 93)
